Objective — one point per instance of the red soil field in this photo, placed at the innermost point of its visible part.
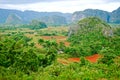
(92, 59)
(58, 39)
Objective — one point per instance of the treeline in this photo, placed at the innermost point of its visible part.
(34, 25)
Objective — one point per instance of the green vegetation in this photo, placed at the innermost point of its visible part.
(35, 53)
(93, 36)
(19, 54)
(35, 24)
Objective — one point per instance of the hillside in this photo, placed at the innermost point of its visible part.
(109, 17)
(90, 35)
(88, 25)
(104, 15)
(13, 19)
(54, 20)
(115, 16)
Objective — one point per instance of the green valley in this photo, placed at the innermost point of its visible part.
(86, 50)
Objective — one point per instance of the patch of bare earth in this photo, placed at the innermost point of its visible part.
(92, 59)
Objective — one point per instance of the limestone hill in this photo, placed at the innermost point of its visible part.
(92, 25)
(13, 19)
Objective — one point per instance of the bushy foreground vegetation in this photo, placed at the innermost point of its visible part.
(16, 52)
(21, 59)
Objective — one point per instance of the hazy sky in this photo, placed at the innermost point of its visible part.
(60, 5)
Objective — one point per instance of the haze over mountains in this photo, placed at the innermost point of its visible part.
(56, 18)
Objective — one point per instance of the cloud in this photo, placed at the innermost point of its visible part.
(18, 1)
(27, 1)
(62, 5)
(112, 0)
(37, 1)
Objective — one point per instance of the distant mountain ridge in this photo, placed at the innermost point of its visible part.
(27, 16)
(58, 18)
(109, 17)
(104, 15)
(115, 16)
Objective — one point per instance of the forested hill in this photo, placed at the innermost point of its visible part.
(58, 18)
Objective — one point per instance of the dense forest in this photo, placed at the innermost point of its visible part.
(86, 50)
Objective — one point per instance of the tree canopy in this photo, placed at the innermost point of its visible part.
(36, 24)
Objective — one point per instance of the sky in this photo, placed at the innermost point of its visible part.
(65, 6)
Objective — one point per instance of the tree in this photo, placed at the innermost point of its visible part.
(36, 24)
